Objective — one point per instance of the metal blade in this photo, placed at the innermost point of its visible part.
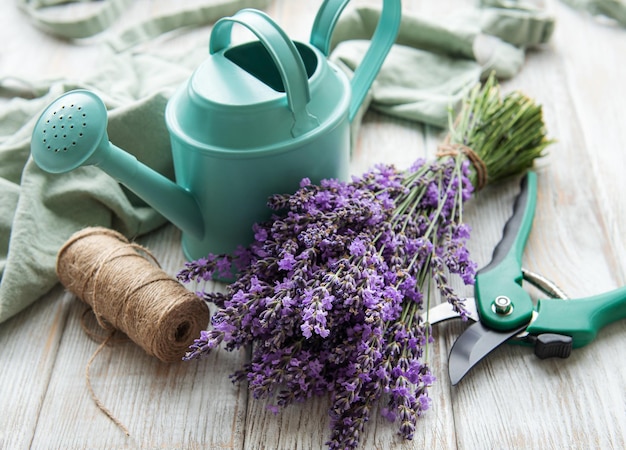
(473, 345)
(444, 311)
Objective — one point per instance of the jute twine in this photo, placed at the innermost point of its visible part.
(449, 149)
(130, 293)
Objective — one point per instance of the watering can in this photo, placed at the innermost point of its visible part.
(253, 120)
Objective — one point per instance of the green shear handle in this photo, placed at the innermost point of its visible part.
(502, 277)
(579, 318)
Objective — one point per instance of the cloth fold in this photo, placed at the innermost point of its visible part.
(109, 11)
(427, 72)
(613, 9)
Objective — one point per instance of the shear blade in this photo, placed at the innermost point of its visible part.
(473, 345)
(445, 311)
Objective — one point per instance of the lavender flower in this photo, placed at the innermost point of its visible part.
(330, 295)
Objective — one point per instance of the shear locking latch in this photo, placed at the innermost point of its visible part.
(551, 345)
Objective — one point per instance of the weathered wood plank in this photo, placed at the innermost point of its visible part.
(592, 54)
(28, 348)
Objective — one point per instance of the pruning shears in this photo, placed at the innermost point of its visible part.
(502, 310)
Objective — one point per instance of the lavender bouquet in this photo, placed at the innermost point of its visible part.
(331, 294)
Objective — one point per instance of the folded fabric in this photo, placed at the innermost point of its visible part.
(435, 62)
(613, 9)
(109, 11)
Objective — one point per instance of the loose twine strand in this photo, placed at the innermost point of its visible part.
(93, 394)
(129, 292)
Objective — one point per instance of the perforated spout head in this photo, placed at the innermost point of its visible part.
(71, 132)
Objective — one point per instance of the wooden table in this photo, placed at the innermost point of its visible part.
(511, 400)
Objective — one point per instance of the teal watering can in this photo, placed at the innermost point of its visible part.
(252, 121)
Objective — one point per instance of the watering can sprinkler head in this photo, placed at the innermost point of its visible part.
(71, 132)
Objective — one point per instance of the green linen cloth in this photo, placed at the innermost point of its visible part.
(613, 9)
(435, 62)
(432, 66)
(109, 11)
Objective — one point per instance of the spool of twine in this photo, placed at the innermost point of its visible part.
(128, 292)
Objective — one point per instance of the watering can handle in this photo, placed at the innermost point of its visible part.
(284, 54)
(383, 39)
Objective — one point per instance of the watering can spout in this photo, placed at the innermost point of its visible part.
(71, 132)
(175, 203)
